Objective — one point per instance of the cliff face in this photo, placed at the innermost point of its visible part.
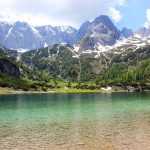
(102, 32)
(9, 68)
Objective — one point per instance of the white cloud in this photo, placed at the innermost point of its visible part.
(122, 2)
(115, 14)
(147, 23)
(148, 14)
(55, 12)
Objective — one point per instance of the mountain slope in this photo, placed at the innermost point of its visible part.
(124, 65)
(83, 29)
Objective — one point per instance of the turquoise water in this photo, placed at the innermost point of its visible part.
(90, 121)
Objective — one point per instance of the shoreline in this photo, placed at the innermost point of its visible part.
(9, 91)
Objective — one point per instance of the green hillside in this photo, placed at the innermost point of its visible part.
(61, 66)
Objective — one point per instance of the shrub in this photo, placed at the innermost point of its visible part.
(44, 89)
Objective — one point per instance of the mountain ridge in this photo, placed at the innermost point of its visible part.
(100, 34)
(21, 35)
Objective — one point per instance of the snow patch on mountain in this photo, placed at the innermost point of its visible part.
(45, 45)
(120, 46)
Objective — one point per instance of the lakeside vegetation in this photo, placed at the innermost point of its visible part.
(123, 75)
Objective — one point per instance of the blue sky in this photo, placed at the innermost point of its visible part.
(124, 13)
(134, 14)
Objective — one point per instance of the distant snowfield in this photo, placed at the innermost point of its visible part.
(21, 50)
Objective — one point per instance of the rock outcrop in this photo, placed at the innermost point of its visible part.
(9, 68)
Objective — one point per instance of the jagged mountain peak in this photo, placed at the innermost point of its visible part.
(23, 27)
(83, 29)
(21, 35)
(5, 23)
(126, 33)
(86, 23)
(103, 19)
(20, 23)
(101, 31)
(144, 32)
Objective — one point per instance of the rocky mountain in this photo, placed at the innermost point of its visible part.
(83, 29)
(126, 33)
(9, 68)
(143, 32)
(126, 63)
(13, 54)
(90, 36)
(57, 35)
(97, 54)
(101, 32)
(63, 62)
(22, 36)
(4, 29)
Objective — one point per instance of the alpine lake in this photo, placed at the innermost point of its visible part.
(79, 121)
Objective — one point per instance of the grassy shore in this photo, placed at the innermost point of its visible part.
(3, 90)
(74, 90)
(59, 90)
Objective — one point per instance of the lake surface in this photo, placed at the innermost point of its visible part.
(90, 121)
